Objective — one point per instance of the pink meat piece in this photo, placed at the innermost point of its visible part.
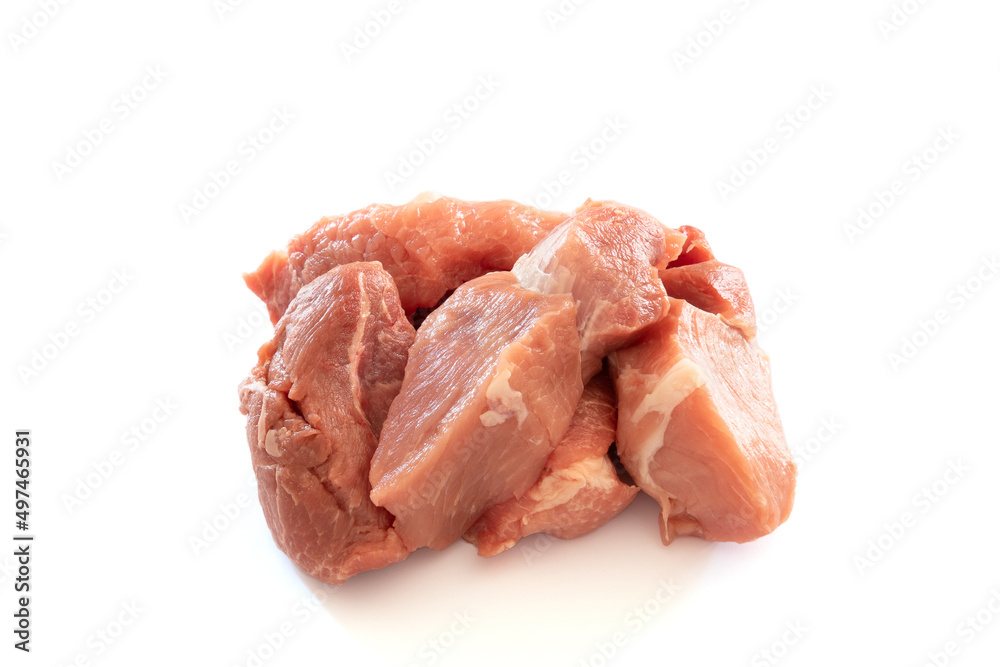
(429, 246)
(696, 248)
(698, 428)
(315, 404)
(489, 390)
(715, 288)
(607, 258)
(577, 492)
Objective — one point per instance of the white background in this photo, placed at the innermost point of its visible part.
(184, 329)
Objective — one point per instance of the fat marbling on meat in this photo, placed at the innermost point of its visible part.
(370, 440)
(606, 257)
(698, 428)
(489, 390)
(577, 492)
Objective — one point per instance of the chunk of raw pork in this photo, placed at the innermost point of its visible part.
(696, 248)
(490, 387)
(715, 288)
(607, 257)
(698, 428)
(578, 491)
(315, 403)
(429, 246)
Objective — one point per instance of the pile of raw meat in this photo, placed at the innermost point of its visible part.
(448, 369)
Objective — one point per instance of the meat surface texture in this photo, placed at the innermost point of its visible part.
(695, 249)
(698, 428)
(561, 365)
(607, 257)
(315, 405)
(489, 390)
(429, 246)
(577, 492)
(715, 288)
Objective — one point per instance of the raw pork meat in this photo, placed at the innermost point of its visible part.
(715, 288)
(698, 428)
(316, 402)
(430, 246)
(490, 387)
(579, 490)
(370, 439)
(607, 257)
(696, 248)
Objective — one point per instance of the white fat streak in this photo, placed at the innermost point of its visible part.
(562, 485)
(271, 443)
(503, 401)
(595, 315)
(539, 270)
(258, 387)
(426, 197)
(669, 391)
(352, 353)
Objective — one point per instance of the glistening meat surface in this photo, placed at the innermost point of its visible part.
(607, 258)
(490, 388)
(715, 288)
(698, 428)
(494, 420)
(578, 491)
(429, 246)
(315, 404)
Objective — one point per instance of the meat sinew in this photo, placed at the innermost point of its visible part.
(607, 257)
(698, 428)
(430, 246)
(316, 402)
(490, 388)
(578, 491)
